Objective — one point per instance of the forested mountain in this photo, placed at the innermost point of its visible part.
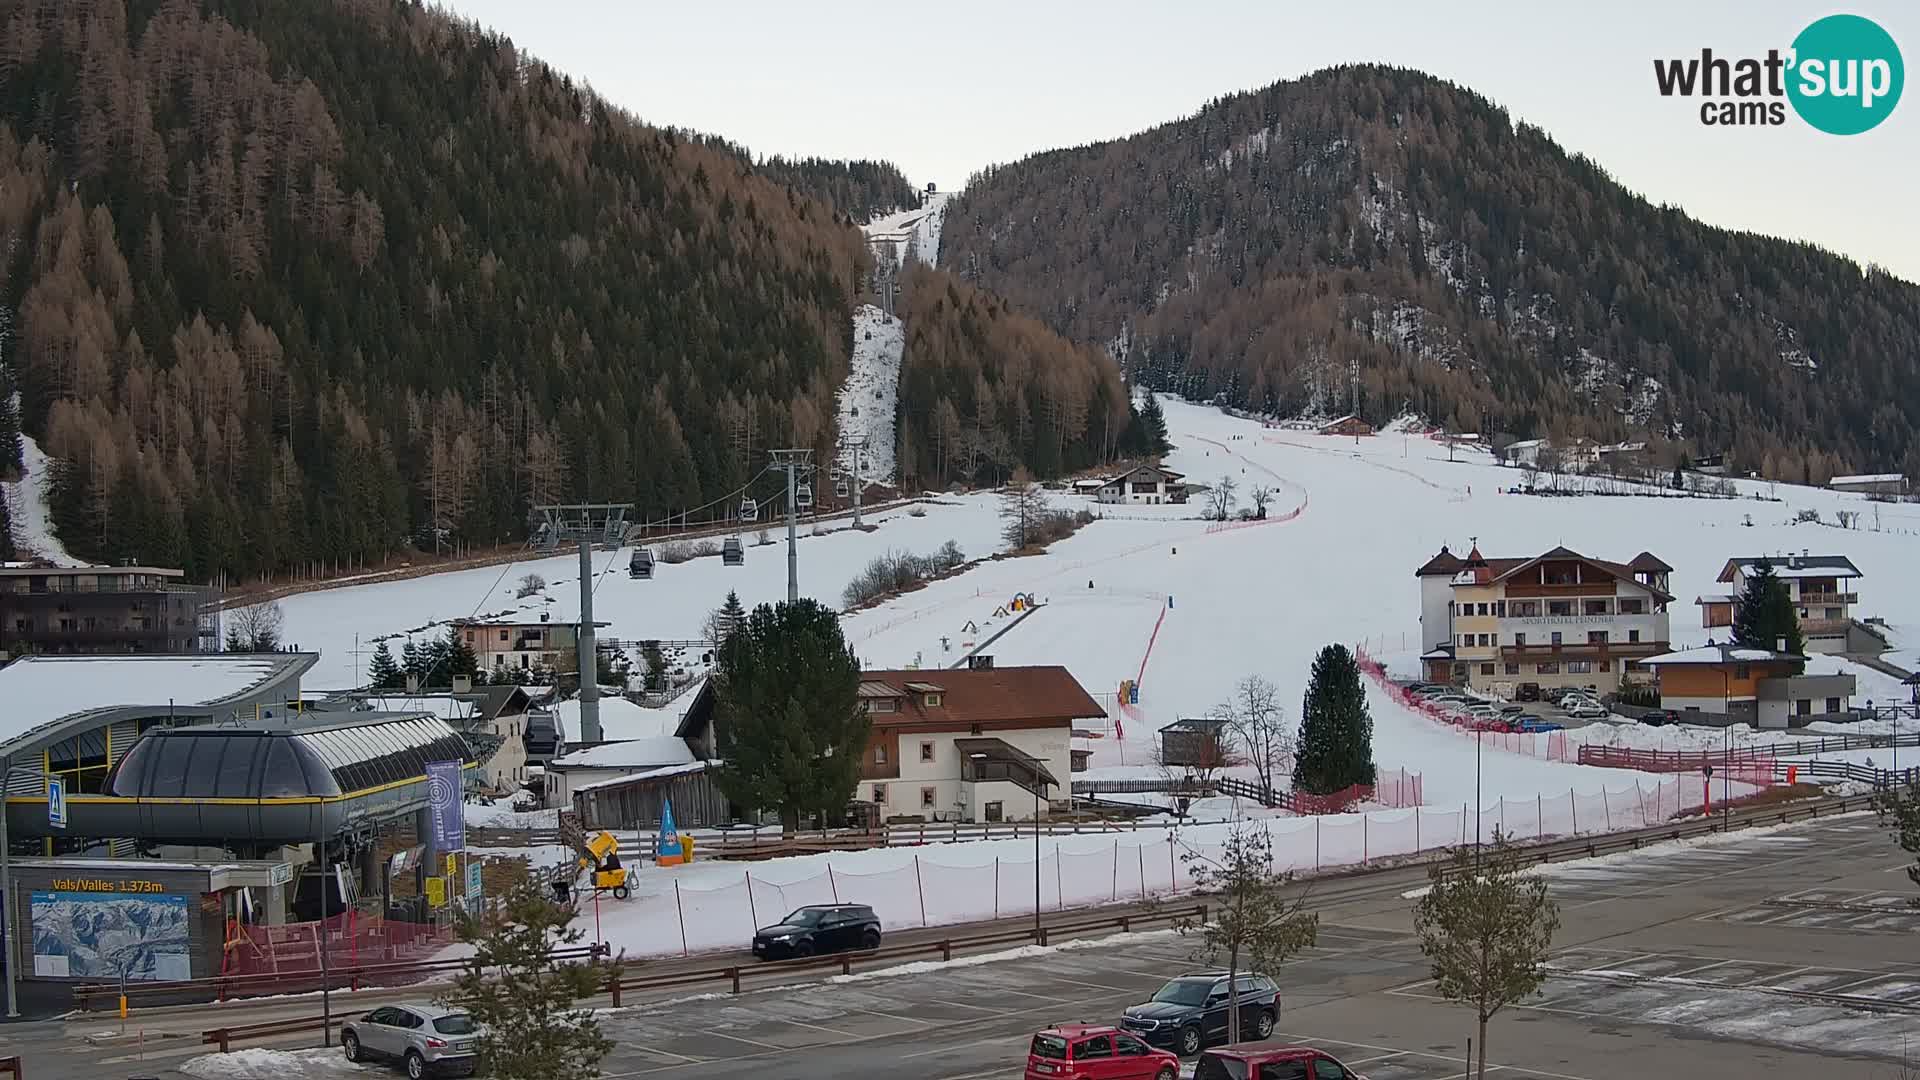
(1474, 270)
(861, 190)
(983, 390)
(316, 281)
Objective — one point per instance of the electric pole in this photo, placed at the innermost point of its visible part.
(589, 655)
(859, 454)
(795, 462)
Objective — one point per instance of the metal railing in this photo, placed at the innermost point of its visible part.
(1617, 757)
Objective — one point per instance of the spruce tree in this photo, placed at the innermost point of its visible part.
(460, 656)
(731, 615)
(1765, 615)
(1336, 730)
(412, 662)
(1154, 424)
(382, 672)
(786, 714)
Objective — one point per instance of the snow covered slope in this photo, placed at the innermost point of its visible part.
(912, 234)
(27, 506)
(869, 400)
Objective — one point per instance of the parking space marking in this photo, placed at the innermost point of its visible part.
(734, 1038)
(1393, 1051)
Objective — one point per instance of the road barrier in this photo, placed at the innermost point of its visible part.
(86, 996)
(225, 1037)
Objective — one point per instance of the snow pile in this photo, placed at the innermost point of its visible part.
(260, 1063)
(27, 505)
(869, 399)
(514, 813)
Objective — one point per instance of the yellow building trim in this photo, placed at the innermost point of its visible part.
(160, 800)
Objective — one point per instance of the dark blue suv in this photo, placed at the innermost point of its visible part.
(1190, 1011)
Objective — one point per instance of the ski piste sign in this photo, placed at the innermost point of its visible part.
(669, 846)
(1843, 75)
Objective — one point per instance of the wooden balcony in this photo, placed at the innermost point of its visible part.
(1818, 598)
(1581, 588)
(1580, 650)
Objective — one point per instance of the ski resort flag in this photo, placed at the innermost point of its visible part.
(444, 812)
(669, 834)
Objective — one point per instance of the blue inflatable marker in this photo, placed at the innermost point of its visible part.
(669, 834)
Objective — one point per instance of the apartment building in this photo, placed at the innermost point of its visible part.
(1146, 484)
(523, 642)
(979, 744)
(1820, 586)
(1555, 619)
(104, 609)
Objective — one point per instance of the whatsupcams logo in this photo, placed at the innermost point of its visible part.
(1843, 75)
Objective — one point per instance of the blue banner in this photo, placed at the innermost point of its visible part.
(447, 816)
(669, 833)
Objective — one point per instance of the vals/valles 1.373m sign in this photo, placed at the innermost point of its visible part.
(1843, 75)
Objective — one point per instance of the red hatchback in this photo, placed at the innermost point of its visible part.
(1277, 1063)
(1089, 1052)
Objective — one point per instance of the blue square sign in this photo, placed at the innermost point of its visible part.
(56, 802)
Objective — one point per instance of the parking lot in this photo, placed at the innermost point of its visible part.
(1756, 953)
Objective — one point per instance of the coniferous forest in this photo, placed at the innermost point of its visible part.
(1256, 251)
(317, 282)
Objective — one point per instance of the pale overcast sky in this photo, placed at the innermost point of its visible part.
(942, 89)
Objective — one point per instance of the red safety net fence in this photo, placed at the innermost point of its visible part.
(351, 940)
(1546, 745)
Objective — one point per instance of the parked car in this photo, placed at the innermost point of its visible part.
(1090, 1052)
(1588, 710)
(424, 1037)
(1527, 691)
(818, 928)
(1512, 710)
(1660, 717)
(1261, 1063)
(1190, 1011)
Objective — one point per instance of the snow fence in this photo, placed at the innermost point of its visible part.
(694, 909)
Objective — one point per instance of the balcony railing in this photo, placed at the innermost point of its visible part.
(1585, 648)
(1828, 598)
(22, 587)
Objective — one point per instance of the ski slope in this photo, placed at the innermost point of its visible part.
(913, 234)
(26, 497)
(869, 400)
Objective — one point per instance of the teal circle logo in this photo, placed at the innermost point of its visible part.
(1846, 74)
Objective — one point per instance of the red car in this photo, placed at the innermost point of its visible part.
(1276, 1063)
(1093, 1052)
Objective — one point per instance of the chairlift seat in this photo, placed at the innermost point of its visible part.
(749, 510)
(803, 496)
(731, 552)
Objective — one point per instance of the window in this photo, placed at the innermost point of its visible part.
(995, 812)
(1526, 609)
(1466, 641)
(1803, 707)
(1128, 1046)
(503, 634)
(1486, 669)
(1520, 639)
(1328, 1069)
(1606, 665)
(1513, 669)
(933, 701)
(879, 793)
(1833, 704)
(1559, 607)
(1596, 637)
(1833, 613)
(1284, 1070)
(1633, 635)
(1547, 669)
(1594, 607)
(929, 797)
(880, 705)
(880, 754)
(1483, 609)
(1556, 637)
(1632, 605)
(926, 751)
(1486, 640)
(1500, 608)
(1579, 667)
(469, 637)
(1100, 1046)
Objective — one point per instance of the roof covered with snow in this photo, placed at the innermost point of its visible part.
(41, 691)
(1720, 654)
(1793, 566)
(631, 754)
(662, 773)
(622, 719)
(1869, 478)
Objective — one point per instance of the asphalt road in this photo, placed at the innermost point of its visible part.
(1783, 952)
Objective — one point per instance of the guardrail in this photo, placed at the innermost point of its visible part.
(720, 843)
(1880, 779)
(1620, 757)
(733, 974)
(356, 977)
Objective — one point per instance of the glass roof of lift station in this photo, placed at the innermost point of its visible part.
(329, 759)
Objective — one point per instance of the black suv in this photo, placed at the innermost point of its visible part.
(1191, 1011)
(819, 928)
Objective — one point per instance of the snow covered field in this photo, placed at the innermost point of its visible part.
(869, 399)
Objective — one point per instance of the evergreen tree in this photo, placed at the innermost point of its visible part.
(731, 615)
(525, 1001)
(789, 723)
(1487, 927)
(413, 662)
(382, 672)
(460, 656)
(656, 662)
(1153, 422)
(1764, 614)
(1336, 730)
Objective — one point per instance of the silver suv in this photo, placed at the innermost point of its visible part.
(424, 1037)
